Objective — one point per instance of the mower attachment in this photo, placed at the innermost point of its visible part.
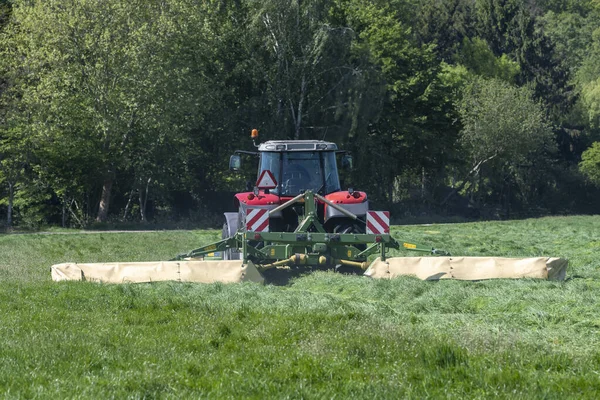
(469, 268)
(138, 272)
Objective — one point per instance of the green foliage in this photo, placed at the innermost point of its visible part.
(590, 163)
(478, 57)
(502, 121)
(571, 33)
(447, 24)
(498, 21)
(581, 7)
(102, 86)
(149, 99)
(308, 76)
(455, 76)
(511, 28)
(591, 99)
(587, 80)
(406, 134)
(504, 133)
(5, 9)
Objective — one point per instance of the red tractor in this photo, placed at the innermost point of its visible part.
(289, 168)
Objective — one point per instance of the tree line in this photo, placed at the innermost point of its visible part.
(128, 110)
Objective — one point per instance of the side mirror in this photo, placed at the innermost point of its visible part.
(347, 161)
(235, 162)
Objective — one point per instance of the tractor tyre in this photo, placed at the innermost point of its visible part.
(349, 226)
(346, 225)
(229, 254)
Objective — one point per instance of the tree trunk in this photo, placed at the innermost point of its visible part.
(11, 197)
(144, 200)
(64, 212)
(422, 183)
(104, 201)
(507, 198)
(300, 104)
(141, 200)
(70, 209)
(128, 204)
(473, 170)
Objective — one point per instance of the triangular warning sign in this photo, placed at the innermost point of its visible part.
(266, 180)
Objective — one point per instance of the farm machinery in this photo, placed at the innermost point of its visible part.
(299, 216)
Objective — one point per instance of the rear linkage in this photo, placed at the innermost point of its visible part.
(306, 246)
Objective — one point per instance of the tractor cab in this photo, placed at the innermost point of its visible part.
(289, 168)
(298, 166)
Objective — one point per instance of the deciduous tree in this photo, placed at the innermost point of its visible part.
(99, 73)
(590, 163)
(502, 126)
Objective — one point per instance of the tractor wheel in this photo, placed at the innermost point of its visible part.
(229, 254)
(347, 227)
(350, 226)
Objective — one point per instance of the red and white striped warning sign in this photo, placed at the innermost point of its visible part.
(378, 222)
(257, 220)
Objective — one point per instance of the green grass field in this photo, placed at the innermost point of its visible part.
(324, 335)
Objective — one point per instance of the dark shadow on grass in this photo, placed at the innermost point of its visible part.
(572, 277)
(285, 276)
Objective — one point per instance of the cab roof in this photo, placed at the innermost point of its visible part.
(297, 145)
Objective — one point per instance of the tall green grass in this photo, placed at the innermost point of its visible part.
(324, 335)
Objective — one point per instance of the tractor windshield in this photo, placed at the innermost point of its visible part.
(298, 171)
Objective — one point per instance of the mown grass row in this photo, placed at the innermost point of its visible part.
(324, 335)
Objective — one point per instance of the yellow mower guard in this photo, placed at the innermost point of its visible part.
(469, 268)
(138, 272)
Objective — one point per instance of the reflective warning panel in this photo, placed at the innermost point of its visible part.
(266, 180)
(378, 222)
(257, 220)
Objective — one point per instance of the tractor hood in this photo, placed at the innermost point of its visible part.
(246, 200)
(344, 197)
(355, 202)
(251, 200)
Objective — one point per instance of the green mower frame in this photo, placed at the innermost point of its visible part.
(308, 245)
